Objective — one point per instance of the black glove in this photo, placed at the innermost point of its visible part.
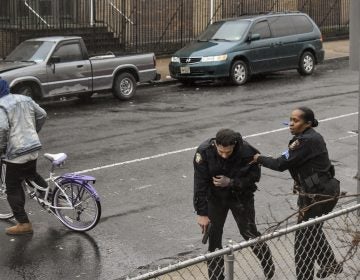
(221, 181)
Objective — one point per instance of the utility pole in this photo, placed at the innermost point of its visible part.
(211, 11)
(354, 65)
(92, 9)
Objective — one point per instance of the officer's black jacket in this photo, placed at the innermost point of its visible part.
(208, 164)
(307, 154)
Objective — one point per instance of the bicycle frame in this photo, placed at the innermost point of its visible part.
(83, 180)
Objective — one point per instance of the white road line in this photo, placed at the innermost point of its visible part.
(353, 134)
(194, 148)
(346, 137)
(143, 187)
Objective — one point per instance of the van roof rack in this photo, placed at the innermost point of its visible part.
(284, 12)
(270, 13)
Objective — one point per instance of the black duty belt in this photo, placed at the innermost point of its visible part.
(315, 179)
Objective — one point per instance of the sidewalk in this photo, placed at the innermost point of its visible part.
(333, 49)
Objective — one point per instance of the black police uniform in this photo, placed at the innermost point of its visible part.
(215, 202)
(308, 161)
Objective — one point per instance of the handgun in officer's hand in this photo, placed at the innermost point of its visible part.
(206, 234)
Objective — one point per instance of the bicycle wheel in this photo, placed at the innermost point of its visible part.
(5, 210)
(85, 212)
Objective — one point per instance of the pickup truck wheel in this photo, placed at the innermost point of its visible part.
(239, 73)
(27, 90)
(125, 86)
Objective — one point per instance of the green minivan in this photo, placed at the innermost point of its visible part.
(237, 48)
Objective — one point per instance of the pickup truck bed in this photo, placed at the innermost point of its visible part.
(60, 66)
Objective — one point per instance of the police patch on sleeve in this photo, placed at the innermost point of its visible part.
(294, 145)
(198, 158)
(286, 154)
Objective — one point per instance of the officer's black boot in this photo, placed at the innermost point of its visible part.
(262, 251)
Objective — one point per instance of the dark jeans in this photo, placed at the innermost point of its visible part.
(15, 174)
(310, 243)
(244, 215)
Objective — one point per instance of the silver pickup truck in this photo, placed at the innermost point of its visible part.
(60, 66)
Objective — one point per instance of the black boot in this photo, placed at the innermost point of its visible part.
(262, 251)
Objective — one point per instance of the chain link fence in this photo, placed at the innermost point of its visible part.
(339, 258)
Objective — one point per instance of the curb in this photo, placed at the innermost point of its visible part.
(340, 58)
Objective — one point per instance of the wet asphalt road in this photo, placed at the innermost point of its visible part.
(141, 154)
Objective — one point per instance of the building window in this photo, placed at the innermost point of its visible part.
(5, 9)
(45, 7)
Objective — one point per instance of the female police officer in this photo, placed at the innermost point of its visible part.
(308, 161)
(223, 181)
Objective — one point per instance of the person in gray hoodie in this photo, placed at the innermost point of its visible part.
(20, 121)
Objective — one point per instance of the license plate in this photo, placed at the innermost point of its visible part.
(185, 70)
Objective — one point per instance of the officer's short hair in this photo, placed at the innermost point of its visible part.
(227, 137)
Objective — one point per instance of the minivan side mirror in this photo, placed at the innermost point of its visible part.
(254, 37)
(54, 59)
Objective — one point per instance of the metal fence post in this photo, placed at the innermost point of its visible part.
(229, 263)
(92, 13)
(354, 65)
(211, 11)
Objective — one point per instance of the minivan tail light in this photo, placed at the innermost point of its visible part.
(321, 38)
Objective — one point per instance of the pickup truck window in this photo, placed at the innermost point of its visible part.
(69, 52)
(31, 51)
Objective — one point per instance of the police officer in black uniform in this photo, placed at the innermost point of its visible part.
(223, 181)
(308, 161)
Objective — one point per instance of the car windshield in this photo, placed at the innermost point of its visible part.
(35, 51)
(225, 30)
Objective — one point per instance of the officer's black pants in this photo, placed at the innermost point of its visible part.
(244, 215)
(15, 174)
(311, 244)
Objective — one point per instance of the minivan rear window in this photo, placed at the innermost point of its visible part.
(290, 25)
(302, 24)
(228, 31)
(281, 26)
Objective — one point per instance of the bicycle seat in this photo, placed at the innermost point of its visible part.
(56, 159)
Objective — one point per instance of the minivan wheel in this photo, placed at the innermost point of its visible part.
(306, 64)
(239, 73)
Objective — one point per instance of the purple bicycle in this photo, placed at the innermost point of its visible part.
(70, 197)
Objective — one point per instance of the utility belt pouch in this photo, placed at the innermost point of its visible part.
(311, 183)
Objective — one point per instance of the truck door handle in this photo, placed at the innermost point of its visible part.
(276, 44)
(79, 66)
